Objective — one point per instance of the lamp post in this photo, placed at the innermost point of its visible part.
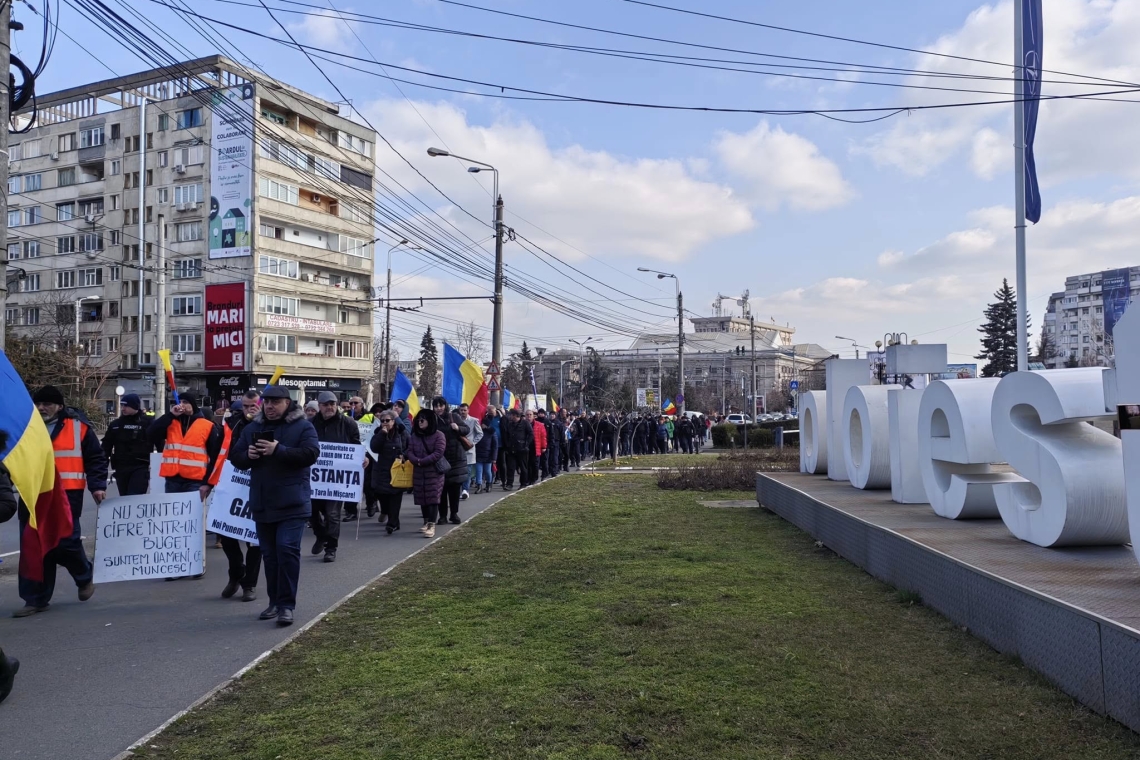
(388, 316)
(581, 370)
(497, 201)
(853, 343)
(680, 334)
(561, 364)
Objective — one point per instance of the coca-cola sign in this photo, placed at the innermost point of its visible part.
(225, 326)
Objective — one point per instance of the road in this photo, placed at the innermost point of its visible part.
(97, 676)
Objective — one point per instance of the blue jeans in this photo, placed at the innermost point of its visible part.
(481, 473)
(281, 554)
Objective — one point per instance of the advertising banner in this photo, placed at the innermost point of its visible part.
(229, 513)
(149, 536)
(641, 397)
(231, 172)
(1115, 293)
(225, 326)
(338, 474)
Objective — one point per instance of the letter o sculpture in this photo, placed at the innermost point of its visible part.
(866, 436)
(813, 432)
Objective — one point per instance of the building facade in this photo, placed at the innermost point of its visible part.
(204, 209)
(1079, 320)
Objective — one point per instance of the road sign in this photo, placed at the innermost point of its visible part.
(493, 369)
(492, 384)
(794, 385)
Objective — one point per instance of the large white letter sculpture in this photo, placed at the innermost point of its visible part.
(1126, 342)
(842, 375)
(813, 432)
(956, 448)
(906, 476)
(866, 444)
(1073, 493)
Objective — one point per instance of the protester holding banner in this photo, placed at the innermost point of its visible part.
(390, 443)
(243, 570)
(80, 461)
(278, 448)
(128, 448)
(425, 450)
(331, 427)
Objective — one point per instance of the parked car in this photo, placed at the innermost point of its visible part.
(738, 419)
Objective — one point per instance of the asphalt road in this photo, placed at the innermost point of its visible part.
(97, 676)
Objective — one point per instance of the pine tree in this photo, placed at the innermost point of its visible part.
(429, 365)
(1045, 348)
(999, 344)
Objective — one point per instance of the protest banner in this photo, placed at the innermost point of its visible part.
(157, 483)
(338, 474)
(148, 537)
(366, 431)
(229, 513)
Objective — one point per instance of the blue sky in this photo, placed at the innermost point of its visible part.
(902, 225)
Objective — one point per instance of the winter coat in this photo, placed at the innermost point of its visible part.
(279, 487)
(487, 450)
(669, 427)
(126, 444)
(518, 437)
(156, 434)
(684, 429)
(556, 432)
(539, 437)
(497, 426)
(94, 460)
(340, 428)
(8, 500)
(662, 431)
(454, 451)
(474, 435)
(388, 448)
(423, 452)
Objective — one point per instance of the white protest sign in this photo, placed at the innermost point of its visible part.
(157, 483)
(229, 513)
(149, 536)
(366, 431)
(338, 474)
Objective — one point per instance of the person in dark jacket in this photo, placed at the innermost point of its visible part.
(390, 444)
(486, 454)
(518, 447)
(684, 433)
(127, 447)
(244, 568)
(332, 427)
(455, 430)
(9, 505)
(278, 448)
(427, 446)
(79, 461)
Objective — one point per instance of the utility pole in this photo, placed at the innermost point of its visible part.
(752, 329)
(680, 347)
(723, 394)
(6, 109)
(497, 326)
(388, 332)
(160, 318)
(142, 227)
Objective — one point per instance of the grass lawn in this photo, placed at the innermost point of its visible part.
(652, 460)
(604, 618)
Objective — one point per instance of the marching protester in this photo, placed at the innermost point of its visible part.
(683, 429)
(426, 451)
(390, 443)
(9, 505)
(455, 431)
(311, 409)
(538, 430)
(244, 569)
(278, 447)
(189, 442)
(474, 435)
(400, 407)
(518, 447)
(662, 435)
(80, 461)
(355, 407)
(127, 447)
(486, 454)
(331, 427)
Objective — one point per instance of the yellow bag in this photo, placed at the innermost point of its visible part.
(402, 474)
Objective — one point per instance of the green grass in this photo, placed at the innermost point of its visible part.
(603, 618)
(652, 460)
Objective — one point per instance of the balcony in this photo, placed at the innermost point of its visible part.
(310, 218)
(363, 266)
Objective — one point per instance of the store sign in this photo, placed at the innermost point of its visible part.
(225, 326)
(303, 325)
(231, 172)
(311, 383)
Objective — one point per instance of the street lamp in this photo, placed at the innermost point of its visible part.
(581, 344)
(388, 314)
(680, 334)
(497, 202)
(853, 343)
(561, 364)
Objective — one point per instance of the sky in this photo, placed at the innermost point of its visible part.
(904, 224)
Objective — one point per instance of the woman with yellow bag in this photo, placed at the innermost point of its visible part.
(392, 473)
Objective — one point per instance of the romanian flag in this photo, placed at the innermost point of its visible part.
(669, 407)
(463, 382)
(30, 461)
(164, 354)
(402, 390)
(552, 405)
(510, 400)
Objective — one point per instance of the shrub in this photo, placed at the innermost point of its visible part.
(733, 472)
(722, 435)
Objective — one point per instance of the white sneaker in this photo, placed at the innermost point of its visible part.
(423, 528)
(463, 496)
(429, 530)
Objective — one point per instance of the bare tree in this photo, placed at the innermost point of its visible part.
(471, 341)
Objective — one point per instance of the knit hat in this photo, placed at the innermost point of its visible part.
(189, 398)
(312, 406)
(49, 394)
(237, 406)
(132, 400)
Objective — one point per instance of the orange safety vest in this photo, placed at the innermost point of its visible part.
(227, 437)
(185, 454)
(68, 447)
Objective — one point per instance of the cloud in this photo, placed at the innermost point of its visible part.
(781, 168)
(325, 29)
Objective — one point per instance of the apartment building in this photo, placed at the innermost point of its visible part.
(247, 201)
(1080, 319)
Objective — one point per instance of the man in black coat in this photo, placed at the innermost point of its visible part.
(518, 445)
(332, 427)
(128, 448)
(278, 448)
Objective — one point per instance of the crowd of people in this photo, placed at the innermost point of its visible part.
(277, 440)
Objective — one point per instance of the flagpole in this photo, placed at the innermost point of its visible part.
(1019, 183)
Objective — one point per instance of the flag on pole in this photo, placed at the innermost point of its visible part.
(30, 460)
(551, 404)
(164, 354)
(669, 407)
(1031, 99)
(463, 382)
(402, 390)
(510, 400)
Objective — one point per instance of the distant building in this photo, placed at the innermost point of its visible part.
(1079, 320)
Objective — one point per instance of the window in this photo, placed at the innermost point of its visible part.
(14, 217)
(33, 215)
(89, 138)
(116, 131)
(185, 269)
(116, 236)
(186, 231)
(191, 117)
(13, 251)
(149, 177)
(278, 191)
(65, 244)
(189, 156)
(163, 122)
(354, 213)
(186, 343)
(33, 182)
(132, 144)
(279, 344)
(278, 305)
(31, 149)
(163, 158)
(116, 167)
(91, 277)
(163, 195)
(183, 305)
(353, 143)
(272, 116)
(277, 267)
(325, 167)
(353, 246)
(342, 316)
(350, 349)
(130, 179)
(67, 142)
(115, 274)
(31, 249)
(65, 211)
(32, 314)
(268, 230)
(91, 241)
(66, 176)
(13, 185)
(114, 202)
(188, 193)
(112, 345)
(30, 284)
(91, 207)
(66, 279)
(15, 152)
(11, 316)
(1099, 310)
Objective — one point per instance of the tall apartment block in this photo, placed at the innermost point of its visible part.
(1079, 320)
(247, 200)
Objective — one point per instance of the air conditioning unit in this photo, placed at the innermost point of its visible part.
(180, 168)
(316, 198)
(193, 206)
(182, 206)
(55, 155)
(179, 357)
(89, 218)
(306, 277)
